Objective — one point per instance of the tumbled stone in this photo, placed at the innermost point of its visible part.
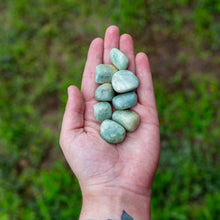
(119, 59)
(124, 81)
(104, 92)
(125, 101)
(104, 73)
(127, 118)
(112, 132)
(102, 111)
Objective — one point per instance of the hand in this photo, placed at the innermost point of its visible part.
(112, 173)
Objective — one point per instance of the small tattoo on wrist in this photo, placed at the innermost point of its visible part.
(125, 216)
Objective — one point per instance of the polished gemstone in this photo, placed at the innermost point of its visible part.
(124, 81)
(104, 92)
(112, 132)
(119, 59)
(102, 111)
(127, 118)
(125, 101)
(104, 73)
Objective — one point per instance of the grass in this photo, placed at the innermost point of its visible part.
(43, 46)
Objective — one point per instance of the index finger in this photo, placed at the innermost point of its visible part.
(94, 58)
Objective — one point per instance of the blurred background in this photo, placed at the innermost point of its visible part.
(43, 48)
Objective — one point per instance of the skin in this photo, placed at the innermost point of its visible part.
(112, 177)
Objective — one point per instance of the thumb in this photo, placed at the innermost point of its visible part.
(73, 119)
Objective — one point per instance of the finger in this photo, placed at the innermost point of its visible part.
(73, 119)
(127, 47)
(112, 36)
(94, 58)
(145, 89)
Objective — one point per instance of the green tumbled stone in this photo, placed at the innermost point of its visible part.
(104, 92)
(125, 101)
(104, 73)
(119, 59)
(128, 119)
(124, 81)
(102, 111)
(112, 132)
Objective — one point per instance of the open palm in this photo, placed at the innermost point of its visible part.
(130, 165)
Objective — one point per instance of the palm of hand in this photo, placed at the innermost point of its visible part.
(130, 165)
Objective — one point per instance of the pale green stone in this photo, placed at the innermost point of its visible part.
(119, 59)
(125, 101)
(112, 132)
(124, 81)
(128, 119)
(104, 73)
(104, 92)
(102, 111)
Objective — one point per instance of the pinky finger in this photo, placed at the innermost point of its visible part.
(145, 90)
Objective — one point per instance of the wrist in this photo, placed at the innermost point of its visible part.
(111, 203)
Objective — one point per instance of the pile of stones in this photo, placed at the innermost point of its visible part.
(117, 85)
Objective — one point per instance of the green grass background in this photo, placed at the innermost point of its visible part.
(43, 47)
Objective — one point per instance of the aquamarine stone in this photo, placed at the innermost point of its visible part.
(124, 81)
(125, 101)
(102, 111)
(112, 132)
(119, 59)
(104, 92)
(104, 73)
(127, 118)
